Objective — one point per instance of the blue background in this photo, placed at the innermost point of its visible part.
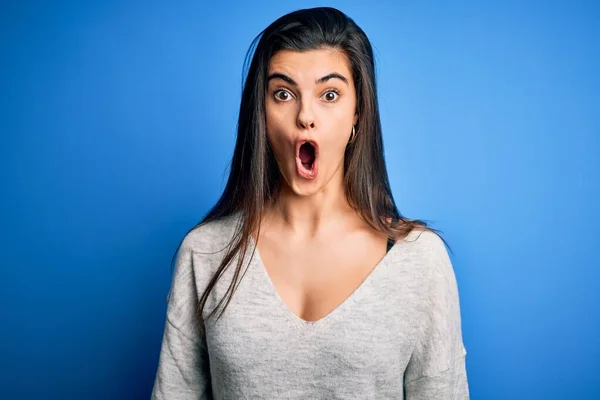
(118, 121)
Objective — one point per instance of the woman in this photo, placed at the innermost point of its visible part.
(304, 281)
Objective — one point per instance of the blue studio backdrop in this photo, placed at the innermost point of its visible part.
(117, 122)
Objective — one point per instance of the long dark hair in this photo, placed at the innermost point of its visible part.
(254, 180)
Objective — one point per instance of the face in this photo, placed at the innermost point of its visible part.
(310, 109)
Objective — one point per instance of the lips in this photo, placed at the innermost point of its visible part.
(307, 158)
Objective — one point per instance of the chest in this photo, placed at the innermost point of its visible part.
(312, 281)
(364, 344)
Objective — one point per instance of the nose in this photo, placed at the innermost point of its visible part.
(306, 118)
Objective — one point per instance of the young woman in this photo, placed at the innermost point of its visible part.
(304, 281)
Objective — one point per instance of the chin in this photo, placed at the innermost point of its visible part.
(302, 187)
(305, 188)
(304, 191)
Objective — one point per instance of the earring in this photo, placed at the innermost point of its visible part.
(353, 135)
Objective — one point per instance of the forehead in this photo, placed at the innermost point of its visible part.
(307, 66)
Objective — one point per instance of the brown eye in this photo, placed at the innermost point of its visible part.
(282, 95)
(331, 96)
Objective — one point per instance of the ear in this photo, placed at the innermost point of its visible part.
(355, 119)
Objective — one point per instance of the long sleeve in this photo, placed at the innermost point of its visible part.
(183, 368)
(437, 367)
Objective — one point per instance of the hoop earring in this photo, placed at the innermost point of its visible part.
(353, 135)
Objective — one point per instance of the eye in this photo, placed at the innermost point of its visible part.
(331, 96)
(278, 95)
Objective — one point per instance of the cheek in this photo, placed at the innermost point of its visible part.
(276, 118)
(278, 127)
(276, 135)
(338, 125)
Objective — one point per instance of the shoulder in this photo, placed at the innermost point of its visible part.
(423, 239)
(202, 250)
(211, 236)
(426, 251)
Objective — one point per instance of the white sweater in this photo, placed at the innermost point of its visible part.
(398, 336)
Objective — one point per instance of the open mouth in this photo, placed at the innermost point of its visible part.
(307, 155)
(307, 160)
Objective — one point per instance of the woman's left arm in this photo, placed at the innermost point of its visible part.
(437, 367)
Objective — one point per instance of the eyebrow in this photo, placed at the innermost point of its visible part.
(318, 81)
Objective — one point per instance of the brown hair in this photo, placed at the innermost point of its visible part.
(254, 180)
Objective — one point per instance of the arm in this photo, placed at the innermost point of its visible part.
(183, 368)
(436, 369)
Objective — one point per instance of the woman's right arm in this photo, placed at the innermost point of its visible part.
(183, 367)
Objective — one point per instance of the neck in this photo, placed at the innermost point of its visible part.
(310, 216)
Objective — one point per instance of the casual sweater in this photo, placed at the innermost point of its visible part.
(397, 336)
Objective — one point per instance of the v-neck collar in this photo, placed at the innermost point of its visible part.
(337, 311)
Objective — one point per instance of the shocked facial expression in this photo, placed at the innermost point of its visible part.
(311, 108)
